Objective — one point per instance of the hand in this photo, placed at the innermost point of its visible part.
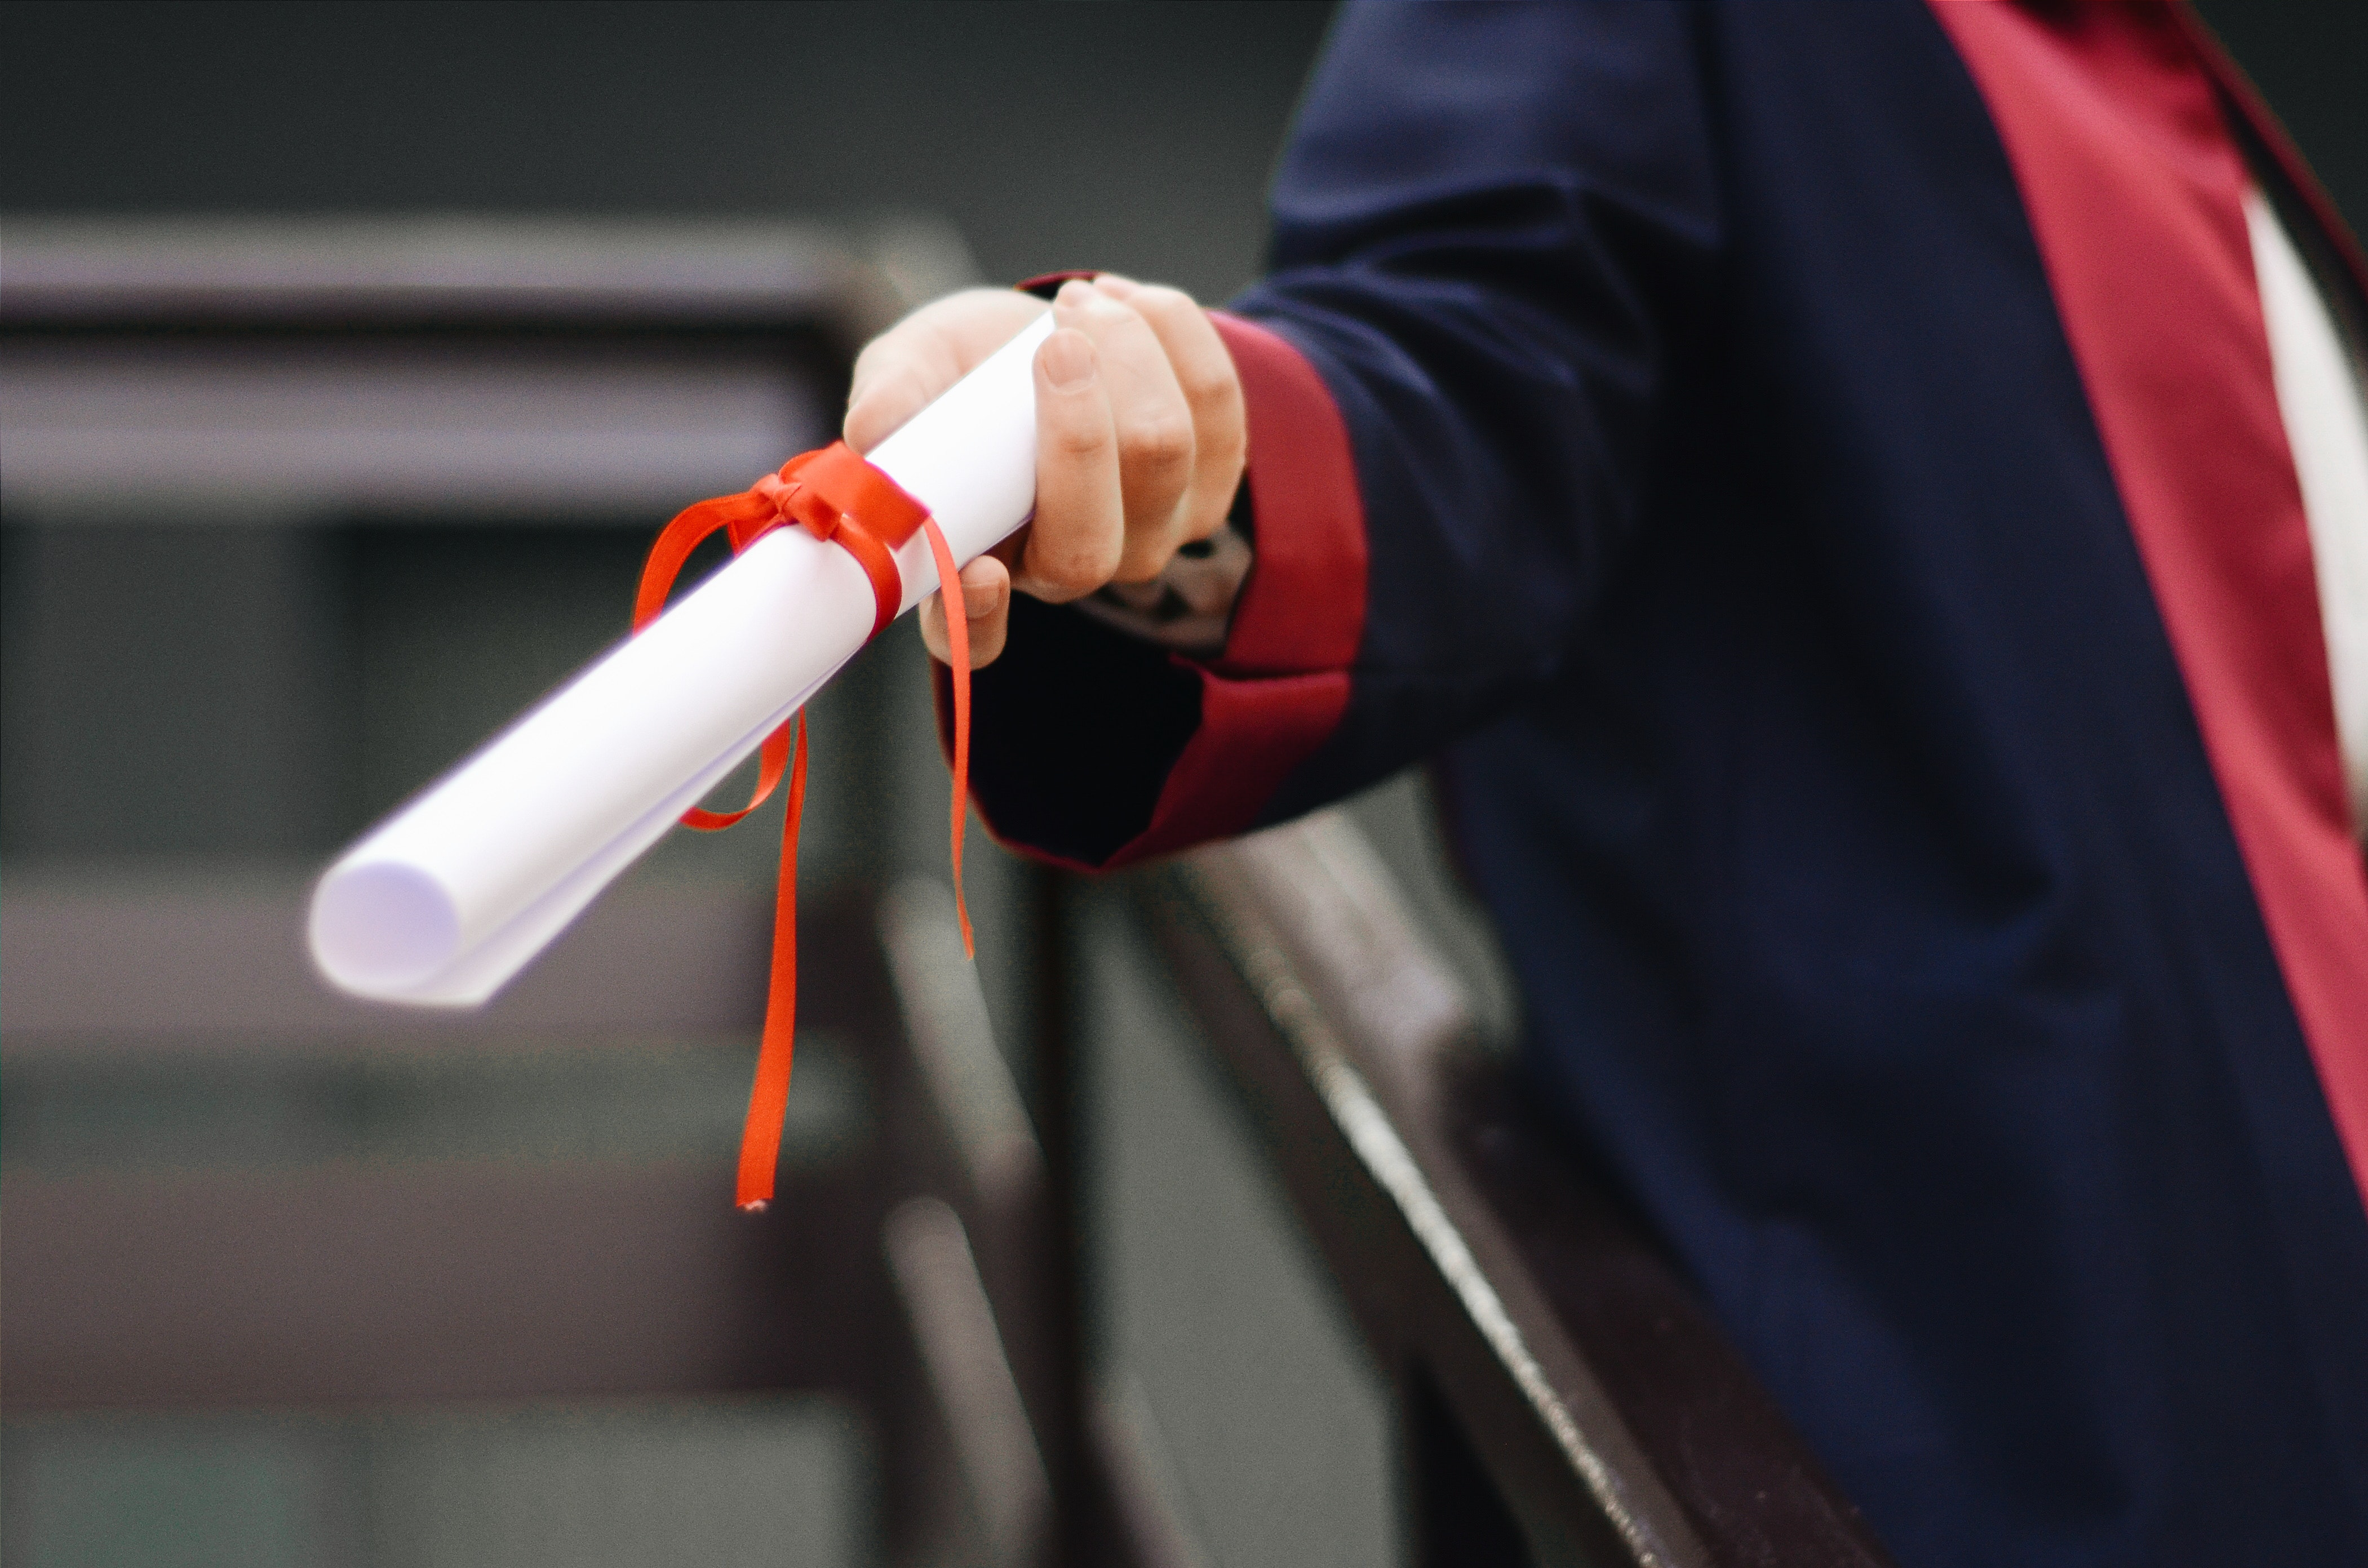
(1139, 436)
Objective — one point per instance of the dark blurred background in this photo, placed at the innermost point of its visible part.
(1137, 136)
(1132, 136)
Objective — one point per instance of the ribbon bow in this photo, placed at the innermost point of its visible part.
(841, 499)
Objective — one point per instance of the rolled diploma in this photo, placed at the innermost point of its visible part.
(443, 902)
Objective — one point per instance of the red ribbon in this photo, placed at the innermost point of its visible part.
(839, 498)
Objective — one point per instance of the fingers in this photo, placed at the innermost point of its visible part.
(1153, 420)
(900, 372)
(986, 607)
(1212, 392)
(1141, 433)
(1080, 528)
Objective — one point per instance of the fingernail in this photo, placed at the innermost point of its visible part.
(1076, 293)
(1068, 361)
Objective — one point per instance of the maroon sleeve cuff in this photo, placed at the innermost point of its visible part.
(1302, 610)
(1281, 685)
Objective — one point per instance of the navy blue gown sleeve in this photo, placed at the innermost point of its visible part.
(1496, 228)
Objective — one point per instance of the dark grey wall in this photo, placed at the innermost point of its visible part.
(1129, 135)
(2310, 60)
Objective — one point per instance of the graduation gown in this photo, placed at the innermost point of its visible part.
(1807, 477)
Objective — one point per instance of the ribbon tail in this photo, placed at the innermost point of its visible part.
(768, 1100)
(958, 644)
(770, 760)
(839, 497)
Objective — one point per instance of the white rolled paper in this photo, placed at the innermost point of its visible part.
(446, 900)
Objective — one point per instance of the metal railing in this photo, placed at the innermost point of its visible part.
(1562, 1397)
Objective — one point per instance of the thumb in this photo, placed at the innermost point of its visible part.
(987, 607)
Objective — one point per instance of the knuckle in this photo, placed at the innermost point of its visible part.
(1082, 440)
(1080, 567)
(1162, 300)
(1159, 440)
(1212, 392)
(1145, 563)
(1099, 314)
(882, 358)
(1064, 580)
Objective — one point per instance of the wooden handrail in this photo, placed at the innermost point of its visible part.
(1607, 1411)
